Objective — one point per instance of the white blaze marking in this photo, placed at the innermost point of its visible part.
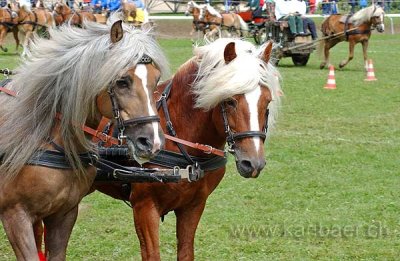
(383, 25)
(252, 100)
(141, 72)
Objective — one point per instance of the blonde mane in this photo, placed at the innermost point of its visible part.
(365, 14)
(218, 81)
(64, 74)
(213, 11)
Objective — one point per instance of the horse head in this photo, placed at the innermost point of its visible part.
(242, 104)
(129, 100)
(246, 121)
(61, 9)
(377, 19)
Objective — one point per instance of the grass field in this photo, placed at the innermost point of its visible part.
(330, 191)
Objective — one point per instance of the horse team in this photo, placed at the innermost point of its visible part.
(228, 85)
(22, 18)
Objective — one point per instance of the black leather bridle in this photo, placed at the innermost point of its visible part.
(231, 136)
(121, 124)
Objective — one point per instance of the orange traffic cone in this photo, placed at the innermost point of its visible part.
(331, 83)
(370, 72)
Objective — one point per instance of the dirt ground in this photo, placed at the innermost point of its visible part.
(173, 28)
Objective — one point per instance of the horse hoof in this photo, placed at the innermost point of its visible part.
(322, 66)
(5, 49)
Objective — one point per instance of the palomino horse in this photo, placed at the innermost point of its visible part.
(217, 22)
(231, 90)
(32, 20)
(47, 159)
(352, 28)
(198, 25)
(8, 23)
(62, 14)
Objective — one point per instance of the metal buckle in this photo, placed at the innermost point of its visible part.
(184, 173)
(210, 149)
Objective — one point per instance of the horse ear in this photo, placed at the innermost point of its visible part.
(266, 55)
(229, 52)
(147, 26)
(116, 31)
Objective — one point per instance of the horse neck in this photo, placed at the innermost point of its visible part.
(192, 124)
(66, 12)
(23, 14)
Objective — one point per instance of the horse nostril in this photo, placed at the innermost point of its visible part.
(246, 166)
(144, 144)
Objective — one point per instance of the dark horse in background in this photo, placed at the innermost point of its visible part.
(225, 94)
(352, 28)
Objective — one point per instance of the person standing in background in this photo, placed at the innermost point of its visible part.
(363, 3)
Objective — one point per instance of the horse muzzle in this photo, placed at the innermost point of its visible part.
(144, 146)
(380, 28)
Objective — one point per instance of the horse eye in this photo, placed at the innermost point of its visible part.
(122, 83)
(231, 103)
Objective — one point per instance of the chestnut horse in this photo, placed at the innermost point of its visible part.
(230, 89)
(60, 89)
(353, 29)
(198, 25)
(32, 20)
(8, 23)
(218, 23)
(62, 14)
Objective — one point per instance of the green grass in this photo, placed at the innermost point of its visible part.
(330, 190)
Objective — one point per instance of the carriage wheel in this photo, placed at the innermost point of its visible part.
(300, 59)
(260, 36)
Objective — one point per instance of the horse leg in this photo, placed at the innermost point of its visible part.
(187, 220)
(28, 35)
(38, 231)
(15, 34)
(3, 34)
(351, 55)
(327, 46)
(326, 54)
(365, 48)
(58, 230)
(18, 227)
(147, 222)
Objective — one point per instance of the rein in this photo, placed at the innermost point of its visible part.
(207, 149)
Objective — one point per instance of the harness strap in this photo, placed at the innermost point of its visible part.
(170, 127)
(57, 159)
(205, 148)
(101, 127)
(3, 83)
(170, 159)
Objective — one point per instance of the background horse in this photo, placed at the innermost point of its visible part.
(8, 23)
(228, 88)
(229, 22)
(198, 24)
(352, 28)
(62, 13)
(32, 20)
(61, 88)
